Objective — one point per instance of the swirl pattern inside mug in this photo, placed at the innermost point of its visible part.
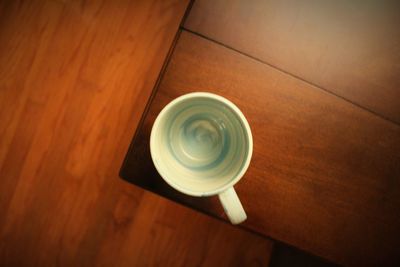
(203, 144)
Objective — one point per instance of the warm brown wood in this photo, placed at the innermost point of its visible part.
(351, 48)
(74, 80)
(325, 174)
(168, 234)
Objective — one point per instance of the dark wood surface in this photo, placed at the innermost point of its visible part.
(325, 173)
(74, 80)
(350, 48)
(286, 256)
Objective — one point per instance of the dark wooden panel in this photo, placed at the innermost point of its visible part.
(285, 256)
(351, 48)
(325, 174)
(74, 80)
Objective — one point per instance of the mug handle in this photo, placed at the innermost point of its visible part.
(232, 206)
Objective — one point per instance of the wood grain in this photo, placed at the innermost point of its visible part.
(350, 48)
(167, 234)
(325, 174)
(74, 80)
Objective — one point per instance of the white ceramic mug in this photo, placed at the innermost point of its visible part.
(201, 145)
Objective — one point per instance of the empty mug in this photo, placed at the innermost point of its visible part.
(201, 145)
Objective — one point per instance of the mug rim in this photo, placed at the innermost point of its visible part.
(234, 109)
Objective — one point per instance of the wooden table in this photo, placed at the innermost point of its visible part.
(325, 173)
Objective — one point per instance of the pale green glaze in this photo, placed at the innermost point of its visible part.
(202, 144)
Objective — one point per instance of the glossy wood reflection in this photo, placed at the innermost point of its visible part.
(350, 48)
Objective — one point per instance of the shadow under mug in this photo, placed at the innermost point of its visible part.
(201, 145)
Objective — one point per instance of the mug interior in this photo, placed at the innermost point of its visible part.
(201, 143)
